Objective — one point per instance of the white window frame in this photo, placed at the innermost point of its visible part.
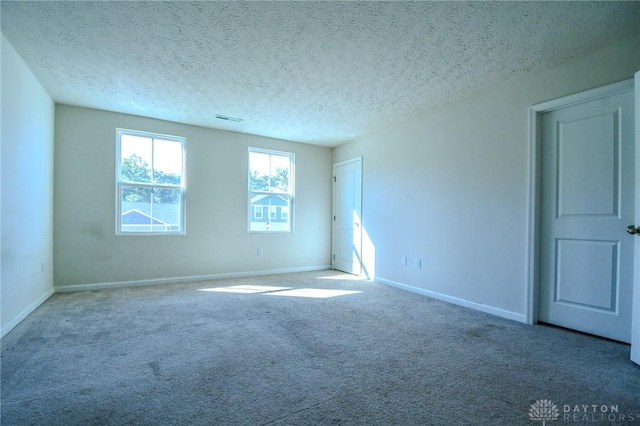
(290, 193)
(120, 183)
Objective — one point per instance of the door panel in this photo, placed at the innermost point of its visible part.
(587, 201)
(588, 166)
(347, 205)
(602, 258)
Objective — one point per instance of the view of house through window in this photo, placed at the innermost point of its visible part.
(270, 191)
(150, 183)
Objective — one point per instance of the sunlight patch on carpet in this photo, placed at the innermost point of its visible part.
(247, 289)
(316, 293)
(345, 277)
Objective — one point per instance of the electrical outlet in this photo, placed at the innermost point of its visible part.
(42, 266)
(418, 263)
(259, 252)
(403, 260)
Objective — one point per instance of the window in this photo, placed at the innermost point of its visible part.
(257, 212)
(271, 183)
(150, 183)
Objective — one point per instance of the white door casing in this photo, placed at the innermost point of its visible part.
(347, 216)
(635, 321)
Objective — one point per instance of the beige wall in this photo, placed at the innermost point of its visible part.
(26, 269)
(451, 186)
(87, 251)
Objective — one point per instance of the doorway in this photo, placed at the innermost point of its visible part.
(583, 199)
(347, 216)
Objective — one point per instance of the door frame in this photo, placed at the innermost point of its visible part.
(333, 212)
(535, 151)
(635, 314)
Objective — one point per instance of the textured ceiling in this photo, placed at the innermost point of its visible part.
(316, 72)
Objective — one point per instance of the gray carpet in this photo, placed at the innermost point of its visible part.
(176, 355)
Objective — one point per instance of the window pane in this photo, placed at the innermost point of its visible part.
(279, 173)
(259, 221)
(135, 154)
(167, 208)
(145, 209)
(167, 162)
(135, 194)
(258, 171)
(135, 209)
(277, 219)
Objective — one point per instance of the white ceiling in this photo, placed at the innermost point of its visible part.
(316, 72)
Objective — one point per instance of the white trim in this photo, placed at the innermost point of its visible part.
(175, 280)
(535, 143)
(635, 322)
(456, 300)
(589, 95)
(533, 218)
(351, 160)
(25, 313)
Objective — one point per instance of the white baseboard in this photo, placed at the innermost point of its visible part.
(174, 280)
(22, 315)
(456, 300)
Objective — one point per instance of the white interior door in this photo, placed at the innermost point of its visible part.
(635, 323)
(347, 213)
(587, 202)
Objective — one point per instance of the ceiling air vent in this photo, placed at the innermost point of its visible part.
(226, 118)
